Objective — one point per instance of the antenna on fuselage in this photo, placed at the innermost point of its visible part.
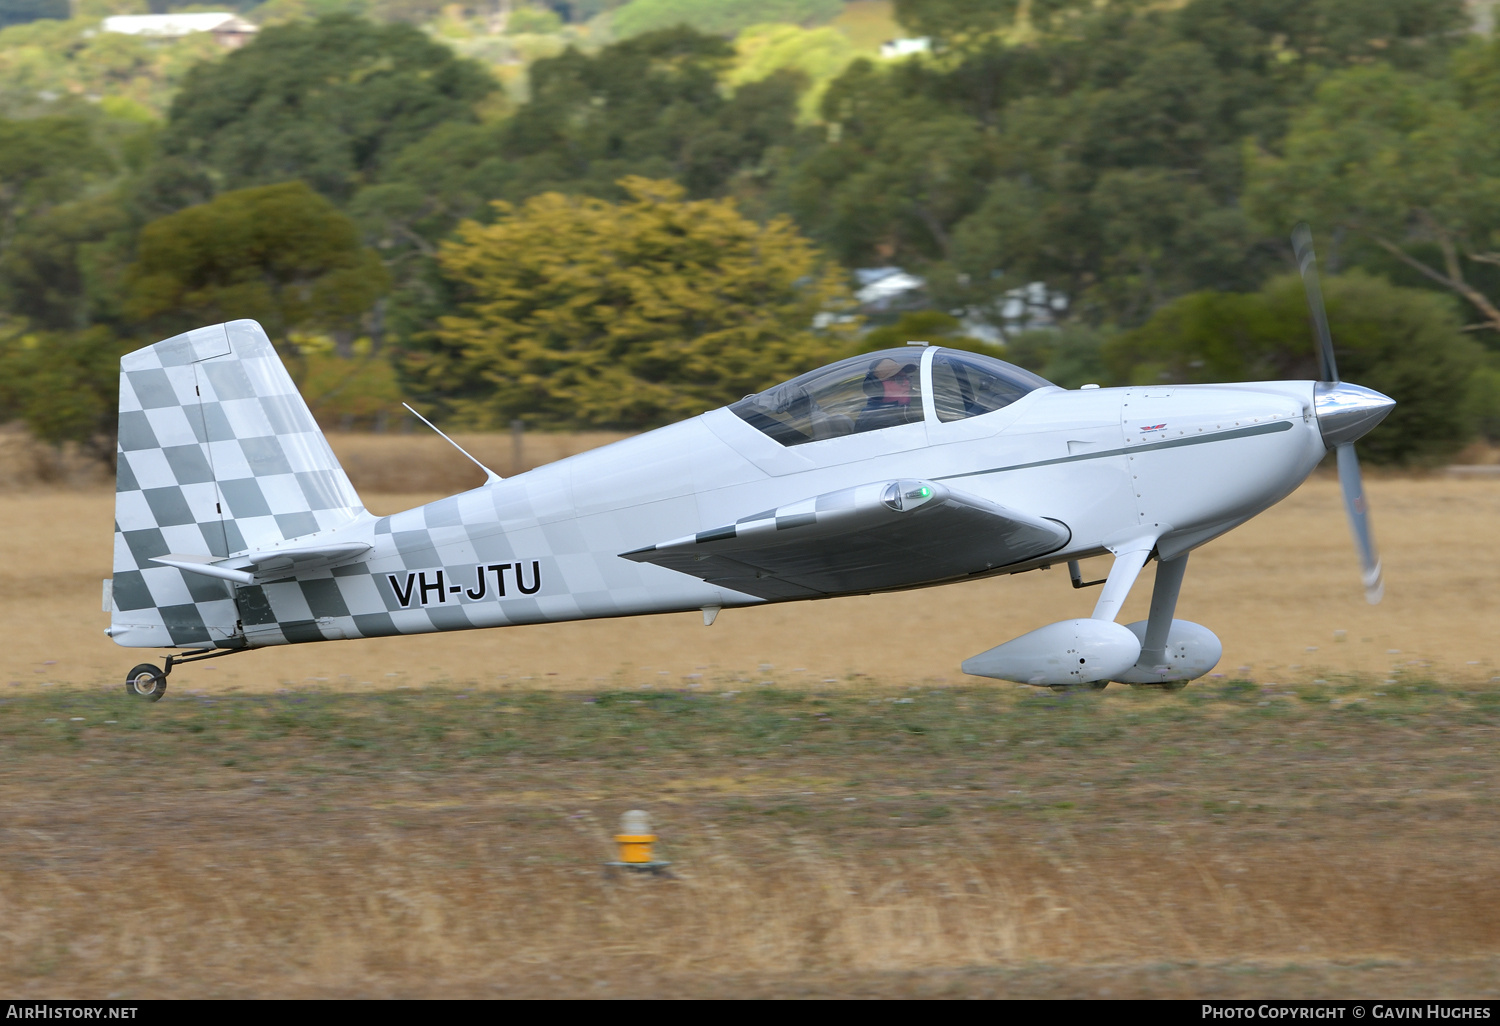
(489, 474)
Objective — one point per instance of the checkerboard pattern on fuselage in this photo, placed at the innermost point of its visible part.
(219, 456)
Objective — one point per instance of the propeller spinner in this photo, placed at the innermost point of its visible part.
(1345, 413)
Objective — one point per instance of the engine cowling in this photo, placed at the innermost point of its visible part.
(1062, 653)
(1191, 651)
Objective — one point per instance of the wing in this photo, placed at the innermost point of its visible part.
(890, 534)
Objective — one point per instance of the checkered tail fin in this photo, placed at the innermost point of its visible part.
(218, 455)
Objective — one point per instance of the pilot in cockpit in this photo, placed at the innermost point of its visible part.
(892, 389)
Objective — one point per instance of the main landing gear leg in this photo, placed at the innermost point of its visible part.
(148, 681)
(1163, 606)
(1127, 567)
(1129, 560)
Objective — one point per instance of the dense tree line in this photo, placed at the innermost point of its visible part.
(1128, 170)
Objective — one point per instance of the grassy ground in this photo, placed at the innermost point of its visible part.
(1229, 840)
(846, 812)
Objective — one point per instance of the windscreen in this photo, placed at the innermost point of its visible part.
(970, 384)
(863, 393)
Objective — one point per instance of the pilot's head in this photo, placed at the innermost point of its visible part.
(891, 381)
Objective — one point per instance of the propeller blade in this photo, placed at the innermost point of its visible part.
(1307, 263)
(1353, 485)
(1350, 480)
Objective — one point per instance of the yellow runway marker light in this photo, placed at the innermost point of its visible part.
(635, 841)
(635, 838)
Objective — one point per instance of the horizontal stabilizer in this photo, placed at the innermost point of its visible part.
(887, 534)
(206, 566)
(256, 567)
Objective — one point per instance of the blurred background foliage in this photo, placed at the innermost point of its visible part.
(521, 208)
(573, 311)
(1396, 340)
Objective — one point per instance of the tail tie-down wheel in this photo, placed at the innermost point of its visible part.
(147, 681)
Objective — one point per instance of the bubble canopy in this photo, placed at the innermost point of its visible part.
(884, 389)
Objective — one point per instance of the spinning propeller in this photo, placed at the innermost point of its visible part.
(1345, 413)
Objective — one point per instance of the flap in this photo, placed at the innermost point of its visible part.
(889, 534)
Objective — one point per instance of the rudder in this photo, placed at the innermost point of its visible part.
(218, 455)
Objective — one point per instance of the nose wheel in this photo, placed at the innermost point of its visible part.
(147, 681)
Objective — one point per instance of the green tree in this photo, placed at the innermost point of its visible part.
(1403, 342)
(78, 186)
(1410, 164)
(64, 268)
(280, 254)
(720, 17)
(65, 226)
(1099, 149)
(343, 392)
(64, 386)
(449, 175)
(649, 106)
(48, 58)
(575, 312)
(973, 25)
(901, 167)
(933, 326)
(533, 19)
(1333, 31)
(285, 12)
(330, 102)
(818, 55)
(1069, 355)
(43, 161)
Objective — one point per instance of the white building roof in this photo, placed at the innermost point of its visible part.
(883, 284)
(905, 47)
(172, 25)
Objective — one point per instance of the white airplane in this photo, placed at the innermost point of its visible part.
(237, 529)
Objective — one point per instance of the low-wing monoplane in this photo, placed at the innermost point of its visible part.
(236, 528)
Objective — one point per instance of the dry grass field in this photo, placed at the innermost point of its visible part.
(846, 813)
(1232, 840)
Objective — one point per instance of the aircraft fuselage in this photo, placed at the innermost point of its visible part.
(1185, 463)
